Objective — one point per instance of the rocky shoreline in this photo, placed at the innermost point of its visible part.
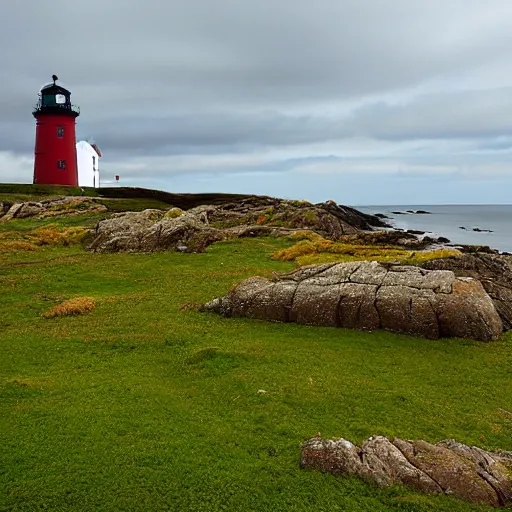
(261, 214)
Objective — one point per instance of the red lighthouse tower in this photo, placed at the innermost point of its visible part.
(55, 150)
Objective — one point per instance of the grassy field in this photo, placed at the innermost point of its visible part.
(144, 404)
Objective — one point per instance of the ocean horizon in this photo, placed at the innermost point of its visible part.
(474, 224)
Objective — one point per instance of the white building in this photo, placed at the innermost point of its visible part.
(87, 157)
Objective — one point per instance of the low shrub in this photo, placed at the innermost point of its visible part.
(71, 307)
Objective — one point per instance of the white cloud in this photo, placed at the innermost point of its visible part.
(16, 168)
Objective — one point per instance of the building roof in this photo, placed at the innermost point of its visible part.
(97, 149)
(88, 146)
(55, 88)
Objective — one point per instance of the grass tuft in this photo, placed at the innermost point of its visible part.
(71, 307)
(203, 354)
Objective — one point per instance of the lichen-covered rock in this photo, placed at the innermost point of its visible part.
(491, 270)
(193, 230)
(23, 211)
(73, 205)
(152, 230)
(456, 475)
(385, 463)
(495, 469)
(328, 456)
(368, 295)
(448, 467)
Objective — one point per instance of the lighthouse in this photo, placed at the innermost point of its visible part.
(55, 148)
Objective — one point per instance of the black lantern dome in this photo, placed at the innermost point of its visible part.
(55, 99)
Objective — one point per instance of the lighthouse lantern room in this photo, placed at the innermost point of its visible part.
(55, 149)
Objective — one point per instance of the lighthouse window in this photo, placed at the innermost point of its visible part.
(61, 164)
(60, 99)
(60, 131)
(48, 100)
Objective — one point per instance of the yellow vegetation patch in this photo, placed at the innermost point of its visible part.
(7, 246)
(77, 306)
(50, 235)
(13, 241)
(316, 249)
(173, 213)
(305, 234)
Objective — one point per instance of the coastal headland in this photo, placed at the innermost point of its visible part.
(119, 387)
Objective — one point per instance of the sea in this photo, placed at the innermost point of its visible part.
(458, 223)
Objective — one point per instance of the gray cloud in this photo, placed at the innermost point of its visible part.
(251, 85)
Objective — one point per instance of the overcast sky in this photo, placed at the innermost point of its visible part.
(360, 101)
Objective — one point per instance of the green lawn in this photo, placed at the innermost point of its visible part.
(143, 405)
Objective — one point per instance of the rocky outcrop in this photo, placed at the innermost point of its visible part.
(491, 270)
(391, 237)
(447, 467)
(193, 230)
(327, 219)
(152, 230)
(368, 295)
(52, 207)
